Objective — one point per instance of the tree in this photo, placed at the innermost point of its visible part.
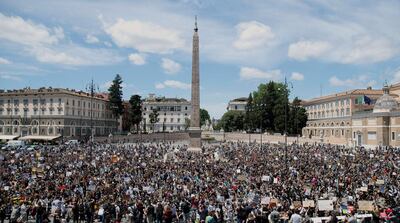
(297, 117)
(153, 117)
(250, 115)
(232, 121)
(135, 113)
(115, 98)
(204, 116)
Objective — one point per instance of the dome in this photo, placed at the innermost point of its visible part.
(385, 103)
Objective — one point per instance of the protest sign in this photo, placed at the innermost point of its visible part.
(380, 182)
(325, 205)
(265, 200)
(242, 177)
(297, 204)
(273, 202)
(265, 178)
(308, 204)
(366, 205)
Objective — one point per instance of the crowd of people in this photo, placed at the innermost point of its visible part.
(228, 182)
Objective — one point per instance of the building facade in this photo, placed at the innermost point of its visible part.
(347, 119)
(49, 113)
(238, 104)
(173, 114)
(330, 117)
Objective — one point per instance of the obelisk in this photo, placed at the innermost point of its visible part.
(194, 130)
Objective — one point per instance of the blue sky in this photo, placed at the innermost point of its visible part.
(338, 45)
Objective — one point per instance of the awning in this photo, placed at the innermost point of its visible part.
(8, 137)
(39, 137)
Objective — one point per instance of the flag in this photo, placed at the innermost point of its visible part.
(367, 100)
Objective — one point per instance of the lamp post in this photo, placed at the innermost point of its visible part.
(91, 87)
(286, 108)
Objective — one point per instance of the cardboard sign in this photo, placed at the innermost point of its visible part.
(265, 200)
(366, 206)
(363, 189)
(380, 182)
(325, 205)
(297, 204)
(308, 204)
(265, 178)
(68, 174)
(273, 202)
(242, 177)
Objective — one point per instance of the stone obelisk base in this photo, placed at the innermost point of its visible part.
(195, 139)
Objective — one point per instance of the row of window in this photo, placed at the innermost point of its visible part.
(165, 120)
(343, 102)
(166, 108)
(43, 101)
(329, 114)
(17, 111)
(25, 102)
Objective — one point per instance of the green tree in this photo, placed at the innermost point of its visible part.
(232, 121)
(115, 98)
(250, 116)
(153, 117)
(281, 108)
(204, 116)
(297, 117)
(135, 113)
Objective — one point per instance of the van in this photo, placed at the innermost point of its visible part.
(15, 143)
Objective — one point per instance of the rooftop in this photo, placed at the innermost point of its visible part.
(367, 91)
(50, 90)
(242, 99)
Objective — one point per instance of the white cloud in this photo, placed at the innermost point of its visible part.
(252, 35)
(46, 46)
(303, 50)
(25, 32)
(144, 36)
(74, 55)
(359, 81)
(247, 73)
(297, 76)
(10, 77)
(170, 66)
(368, 50)
(91, 39)
(173, 84)
(108, 84)
(137, 59)
(4, 61)
(396, 76)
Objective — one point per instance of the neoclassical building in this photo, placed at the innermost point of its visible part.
(173, 114)
(330, 117)
(49, 113)
(380, 126)
(361, 117)
(237, 104)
